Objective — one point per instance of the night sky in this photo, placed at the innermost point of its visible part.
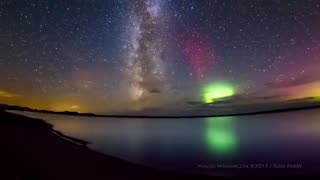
(123, 55)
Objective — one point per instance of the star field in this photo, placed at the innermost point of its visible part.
(117, 55)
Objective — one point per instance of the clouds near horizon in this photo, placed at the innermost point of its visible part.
(7, 94)
(300, 80)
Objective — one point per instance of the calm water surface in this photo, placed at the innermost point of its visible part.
(283, 141)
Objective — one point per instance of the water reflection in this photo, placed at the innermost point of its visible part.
(220, 136)
(181, 143)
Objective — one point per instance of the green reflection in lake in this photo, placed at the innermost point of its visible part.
(220, 135)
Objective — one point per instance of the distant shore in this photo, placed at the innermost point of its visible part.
(313, 105)
(31, 149)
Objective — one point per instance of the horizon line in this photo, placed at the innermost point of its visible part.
(271, 111)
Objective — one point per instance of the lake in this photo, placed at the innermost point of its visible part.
(282, 142)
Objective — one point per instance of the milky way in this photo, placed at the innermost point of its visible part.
(115, 56)
(146, 69)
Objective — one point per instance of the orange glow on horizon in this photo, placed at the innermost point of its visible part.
(304, 91)
(7, 94)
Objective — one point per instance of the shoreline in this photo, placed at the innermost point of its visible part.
(249, 113)
(32, 149)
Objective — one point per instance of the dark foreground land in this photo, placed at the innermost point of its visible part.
(31, 149)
